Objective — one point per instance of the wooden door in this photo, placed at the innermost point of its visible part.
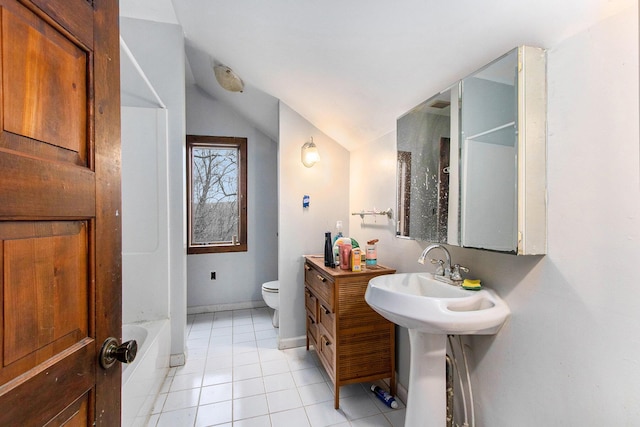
(60, 245)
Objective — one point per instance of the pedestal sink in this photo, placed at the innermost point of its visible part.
(431, 310)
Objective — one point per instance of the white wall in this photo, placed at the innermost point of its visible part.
(239, 275)
(145, 233)
(159, 49)
(569, 353)
(302, 230)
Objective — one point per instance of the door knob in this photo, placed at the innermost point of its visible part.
(112, 352)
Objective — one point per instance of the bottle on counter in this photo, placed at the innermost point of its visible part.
(355, 259)
(338, 231)
(345, 256)
(372, 253)
(337, 237)
(328, 251)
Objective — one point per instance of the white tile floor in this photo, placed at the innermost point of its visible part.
(236, 376)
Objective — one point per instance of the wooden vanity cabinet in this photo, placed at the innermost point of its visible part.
(354, 343)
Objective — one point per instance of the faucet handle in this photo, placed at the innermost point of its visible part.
(455, 272)
(440, 268)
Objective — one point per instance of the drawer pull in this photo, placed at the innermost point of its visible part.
(326, 310)
(322, 279)
(312, 321)
(306, 267)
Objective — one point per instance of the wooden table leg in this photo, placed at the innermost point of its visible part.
(393, 383)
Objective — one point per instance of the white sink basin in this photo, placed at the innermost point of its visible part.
(431, 310)
(418, 301)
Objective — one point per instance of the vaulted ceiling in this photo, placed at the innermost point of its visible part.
(351, 67)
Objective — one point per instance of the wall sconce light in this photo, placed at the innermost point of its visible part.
(310, 155)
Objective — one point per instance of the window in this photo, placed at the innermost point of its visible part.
(216, 194)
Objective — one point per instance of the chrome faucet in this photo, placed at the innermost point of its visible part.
(444, 272)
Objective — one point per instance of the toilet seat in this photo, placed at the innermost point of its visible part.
(273, 286)
(270, 291)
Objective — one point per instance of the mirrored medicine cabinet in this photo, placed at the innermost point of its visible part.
(471, 168)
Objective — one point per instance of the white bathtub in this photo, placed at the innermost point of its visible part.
(143, 378)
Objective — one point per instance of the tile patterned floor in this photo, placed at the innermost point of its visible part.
(236, 376)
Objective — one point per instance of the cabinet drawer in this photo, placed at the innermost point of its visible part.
(311, 303)
(366, 353)
(312, 328)
(327, 351)
(323, 286)
(326, 318)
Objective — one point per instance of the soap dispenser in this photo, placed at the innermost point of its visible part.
(338, 236)
(372, 253)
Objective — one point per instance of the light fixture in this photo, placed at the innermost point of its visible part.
(228, 79)
(310, 155)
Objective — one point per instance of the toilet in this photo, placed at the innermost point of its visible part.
(270, 294)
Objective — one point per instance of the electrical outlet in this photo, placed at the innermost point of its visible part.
(213, 275)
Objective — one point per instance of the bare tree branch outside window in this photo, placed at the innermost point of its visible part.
(215, 194)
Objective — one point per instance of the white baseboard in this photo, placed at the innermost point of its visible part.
(225, 307)
(401, 392)
(294, 342)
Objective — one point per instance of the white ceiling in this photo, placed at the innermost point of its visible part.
(351, 67)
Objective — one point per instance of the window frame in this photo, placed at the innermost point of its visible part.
(196, 141)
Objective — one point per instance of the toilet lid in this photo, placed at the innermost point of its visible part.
(271, 286)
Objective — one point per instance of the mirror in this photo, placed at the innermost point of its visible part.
(462, 157)
(489, 152)
(425, 211)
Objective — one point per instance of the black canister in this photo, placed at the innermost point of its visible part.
(328, 251)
